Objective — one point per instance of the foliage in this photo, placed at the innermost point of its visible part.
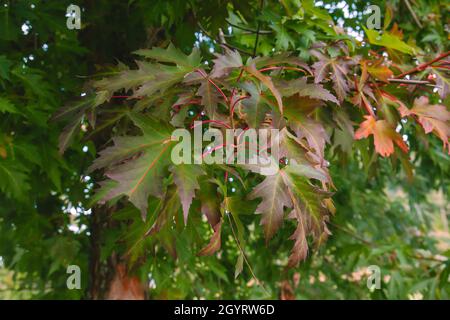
(364, 126)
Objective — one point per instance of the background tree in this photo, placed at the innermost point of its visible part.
(370, 96)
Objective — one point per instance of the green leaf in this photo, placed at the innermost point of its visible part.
(172, 55)
(5, 66)
(138, 177)
(14, 179)
(267, 81)
(7, 106)
(256, 106)
(388, 40)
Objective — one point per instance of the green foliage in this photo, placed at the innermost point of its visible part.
(366, 181)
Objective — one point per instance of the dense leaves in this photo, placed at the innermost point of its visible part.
(363, 119)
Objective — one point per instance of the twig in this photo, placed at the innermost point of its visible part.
(407, 81)
(351, 233)
(245, 257)
(424, 65)
(248, 29)
(416, 19)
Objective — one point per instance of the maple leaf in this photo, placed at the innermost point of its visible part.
(304, 89)
(256, 106)
(272, 191)
(432, 117)
(384, 135)
(7, 106)
(210, 97)
(165, 222)
(14, 179)
(214, 243)
(338, 68)
(281, 58)
(267, 81)
(309, 210)
(172, 55)
(146, 157)
(299, 251)
(390, 40)
(311, 130)
(73, 113)
(185, 177)
(124, 287)
(208, 197)
(225, 63)
(314, 132)
(379, 71)
(151, 77)
(363, 90)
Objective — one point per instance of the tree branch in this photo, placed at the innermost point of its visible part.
(423, 65)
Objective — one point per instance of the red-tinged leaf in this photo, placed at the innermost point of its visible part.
(338, 69)
(432, 117)
(185, 177)
(267, 81)
(255, 107)
(214, 243)
(209, 94)
(210, 98)
(299, 251)
(274, 198)
(304, 89)
(380, 72)
(384, 136)
(164, 225)
(124, 287)
(282, 58)
(225, 63)
(209, 199)
(313, 132)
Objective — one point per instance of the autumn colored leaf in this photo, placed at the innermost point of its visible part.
(214, 243)
(380, 72)
(225, 63)
(384, 136)
(275, 198)
(432, 117)
(124, 287)
(338, 69)
(304, 89)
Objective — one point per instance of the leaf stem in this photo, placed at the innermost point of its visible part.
(245, 257)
